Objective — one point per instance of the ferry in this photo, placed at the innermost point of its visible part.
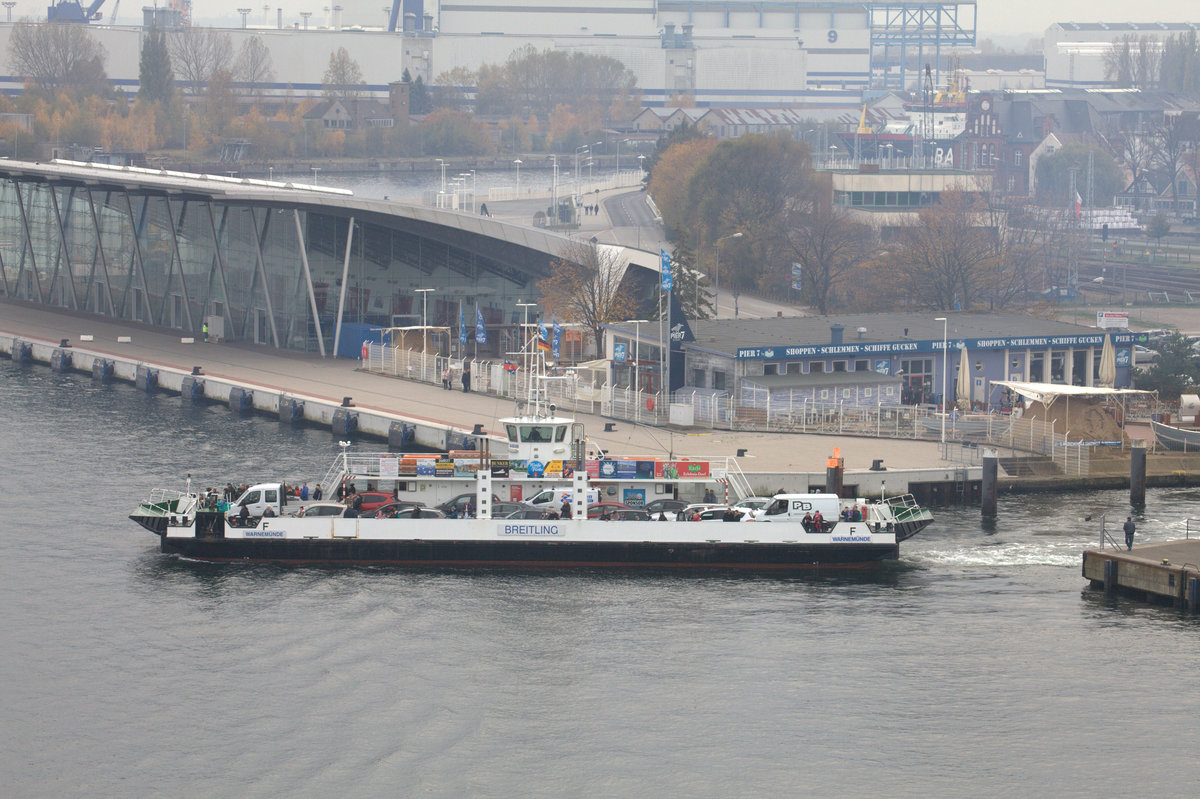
(540, 450)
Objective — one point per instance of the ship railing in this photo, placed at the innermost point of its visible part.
(167, 500)
(904, 508)
(737, 479)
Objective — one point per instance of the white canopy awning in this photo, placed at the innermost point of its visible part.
(1047, 393)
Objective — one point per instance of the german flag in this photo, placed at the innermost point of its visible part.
(543, 345)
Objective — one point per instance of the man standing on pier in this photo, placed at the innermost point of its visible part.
(1129, 528)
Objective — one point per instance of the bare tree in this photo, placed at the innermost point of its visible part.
(828, 245)
(343, 78)
(942, 258)
(198, 53)
(57, 56)
(253, 65)
(584, 287)
(1133, 62)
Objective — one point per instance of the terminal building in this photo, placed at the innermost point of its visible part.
(871, 359)
(282, 265)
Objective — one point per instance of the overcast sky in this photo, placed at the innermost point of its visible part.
(996, 17)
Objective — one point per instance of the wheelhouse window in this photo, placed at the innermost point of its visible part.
(537, 433)
(511, 429)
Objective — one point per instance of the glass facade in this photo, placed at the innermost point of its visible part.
(175, 259)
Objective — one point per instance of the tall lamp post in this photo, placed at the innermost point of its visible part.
(717, 271)
(471, 175)
(945, 350)
(424, 316)
(518, 163)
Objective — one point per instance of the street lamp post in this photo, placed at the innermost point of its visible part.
(554, 190)
(443, 163)
(945, 349)
(518, 162)
(471, 175)
(619, 143)
(717, 271)
(424, 319)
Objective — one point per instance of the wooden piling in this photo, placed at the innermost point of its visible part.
(1137, 476)
(991, 470)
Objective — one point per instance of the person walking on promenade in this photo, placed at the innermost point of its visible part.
(1130, 527)
(466, 378)
(446, 378)
(204, 329)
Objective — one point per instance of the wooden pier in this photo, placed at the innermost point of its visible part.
(1168, 572)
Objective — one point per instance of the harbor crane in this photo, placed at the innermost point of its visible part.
(73, 11)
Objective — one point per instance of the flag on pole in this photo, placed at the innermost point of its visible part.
(542, 334)
(480, 330)
(1078, 205)
(462, 326)
(665, 269)
(557, 340)
(543, 345)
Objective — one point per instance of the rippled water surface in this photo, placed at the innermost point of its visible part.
(980, 664)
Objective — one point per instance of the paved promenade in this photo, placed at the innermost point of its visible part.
(333, 379)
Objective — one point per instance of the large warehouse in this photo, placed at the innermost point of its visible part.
(719, 52)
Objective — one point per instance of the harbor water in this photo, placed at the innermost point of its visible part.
(980, 664)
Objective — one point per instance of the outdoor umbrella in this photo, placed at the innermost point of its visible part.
(1108, 363)
(963, 384)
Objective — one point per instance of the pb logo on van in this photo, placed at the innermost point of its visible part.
(799, 504)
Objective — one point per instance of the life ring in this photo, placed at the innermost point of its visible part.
(649, 403)
(365, 351)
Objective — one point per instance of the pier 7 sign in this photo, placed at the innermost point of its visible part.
(877, 348)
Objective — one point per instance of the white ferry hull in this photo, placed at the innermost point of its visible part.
(484, 543)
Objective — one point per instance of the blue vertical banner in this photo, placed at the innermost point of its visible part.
(557, 338)
(542, 332)
(665, 259)
(462, 326)
(480, 330)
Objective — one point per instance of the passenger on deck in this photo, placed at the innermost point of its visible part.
(269, 512)
(662, 517)
(244, 517)
(565, 511)
(808, 522)
(317, 493)
(304, 492)
(856, 515)
(818, 522)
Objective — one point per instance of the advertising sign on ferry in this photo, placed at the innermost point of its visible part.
(673, 470)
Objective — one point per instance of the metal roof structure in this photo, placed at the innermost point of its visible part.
(276, 263)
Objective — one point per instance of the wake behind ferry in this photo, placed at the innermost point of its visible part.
(541, 452)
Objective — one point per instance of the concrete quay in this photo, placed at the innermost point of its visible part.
(1167, 572)
(437, 418)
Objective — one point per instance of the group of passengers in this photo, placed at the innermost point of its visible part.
(813, 522)
(853, 513)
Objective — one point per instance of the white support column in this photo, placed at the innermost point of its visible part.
(219, 259)
(337, 325)
(112, 310)
(262, 274)
(483, 493)
(579, 492)
(312, 297)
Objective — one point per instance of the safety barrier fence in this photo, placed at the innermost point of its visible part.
(577, 391)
